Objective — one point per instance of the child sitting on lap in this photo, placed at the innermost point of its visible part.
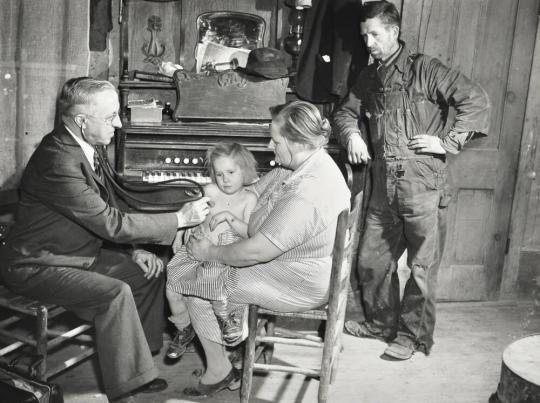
(232, 168)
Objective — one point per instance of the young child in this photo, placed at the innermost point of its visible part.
(232, 168)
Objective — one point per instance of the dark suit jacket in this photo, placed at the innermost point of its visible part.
(63, 215)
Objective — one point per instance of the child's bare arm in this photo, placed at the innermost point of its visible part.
(236, 223)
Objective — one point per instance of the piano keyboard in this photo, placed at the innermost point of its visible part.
(161, 176)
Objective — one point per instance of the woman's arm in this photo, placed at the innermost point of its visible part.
(257, 249)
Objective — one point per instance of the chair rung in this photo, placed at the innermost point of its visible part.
(11, 347)
(24, 339)
(68, 335)
(292, 342)
(69, 363)
(315, 315)
(286, 368)
(292, 333)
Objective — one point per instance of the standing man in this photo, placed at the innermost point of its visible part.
(404, 99)
(56, 254)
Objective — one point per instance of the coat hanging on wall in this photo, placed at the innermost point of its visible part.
(332, 51)
(100, 24)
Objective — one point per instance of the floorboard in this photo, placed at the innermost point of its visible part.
(464, 366)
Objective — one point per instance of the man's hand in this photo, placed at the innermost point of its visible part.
(199, 249)
(148, 262)
(357, 150)
(221, 217)
(193, 213)
(426, 144)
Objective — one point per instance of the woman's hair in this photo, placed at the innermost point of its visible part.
(79, 91)
(301, 122)
(237, 152)
(386, 11)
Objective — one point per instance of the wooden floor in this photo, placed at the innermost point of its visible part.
(464, 366)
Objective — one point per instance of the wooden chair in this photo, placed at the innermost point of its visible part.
(29, 346)
(263, 333)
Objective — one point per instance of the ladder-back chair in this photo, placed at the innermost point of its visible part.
(263, 320)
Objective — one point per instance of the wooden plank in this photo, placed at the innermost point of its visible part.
(411, 18)
(9, 38)
(469, 283)
(169, 38)
(493, 58)
(514, 113)
(474, 168)
(439, 33)
(468, 30)
(525, 218)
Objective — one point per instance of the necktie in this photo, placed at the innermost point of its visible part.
(97, 165)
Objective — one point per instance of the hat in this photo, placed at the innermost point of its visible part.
(268, 63)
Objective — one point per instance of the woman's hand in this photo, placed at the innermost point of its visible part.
(223, 216)
(148, 262)
(199, 249)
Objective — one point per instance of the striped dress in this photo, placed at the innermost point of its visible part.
(297, 211)
(209, 280)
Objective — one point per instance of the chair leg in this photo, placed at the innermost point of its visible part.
(249, 355)
(268, 351)
(41, 342)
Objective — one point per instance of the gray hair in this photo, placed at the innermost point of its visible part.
(79, 91)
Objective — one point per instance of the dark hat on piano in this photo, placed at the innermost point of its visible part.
(268, 63)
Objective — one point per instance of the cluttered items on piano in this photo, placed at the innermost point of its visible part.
(245, 93)
(145, 110)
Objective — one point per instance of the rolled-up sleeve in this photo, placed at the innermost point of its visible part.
(469, 99)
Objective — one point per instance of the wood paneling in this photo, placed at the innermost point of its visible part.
(489, 41)
(42, 44)
(522, 263)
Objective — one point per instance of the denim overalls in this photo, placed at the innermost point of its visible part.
(405, 209)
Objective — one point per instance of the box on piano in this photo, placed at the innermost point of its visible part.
(227, 95)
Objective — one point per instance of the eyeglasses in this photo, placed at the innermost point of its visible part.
(107, 119)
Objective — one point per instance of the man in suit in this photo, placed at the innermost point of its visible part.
(58, 250)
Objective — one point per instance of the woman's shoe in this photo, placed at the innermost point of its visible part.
(179, 343)
(202, 390)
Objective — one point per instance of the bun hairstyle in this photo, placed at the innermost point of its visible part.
(301, 122)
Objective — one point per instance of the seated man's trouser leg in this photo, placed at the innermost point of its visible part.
(107, 294)
(404, 213)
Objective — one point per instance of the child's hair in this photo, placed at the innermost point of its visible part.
(240, 154)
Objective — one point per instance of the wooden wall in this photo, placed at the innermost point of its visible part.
(522, 269)
(42, 43)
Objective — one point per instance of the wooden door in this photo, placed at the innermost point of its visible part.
(492, 42)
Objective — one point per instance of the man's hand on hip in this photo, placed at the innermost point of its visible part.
(424, 143)
(357, 150)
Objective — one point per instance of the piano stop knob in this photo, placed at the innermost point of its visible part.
(177, 160)
(195, 161)
(272, 163)
(186, 161)
(168, 160)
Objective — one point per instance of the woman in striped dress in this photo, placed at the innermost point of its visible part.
(285, 262)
